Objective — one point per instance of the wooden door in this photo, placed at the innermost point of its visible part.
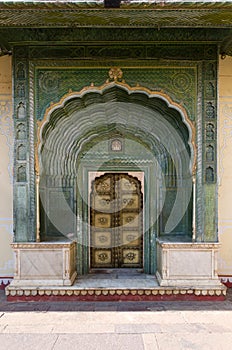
(116, 219)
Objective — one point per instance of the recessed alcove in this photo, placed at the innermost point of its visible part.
(157, 141)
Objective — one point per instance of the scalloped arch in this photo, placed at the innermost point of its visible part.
(80, 116)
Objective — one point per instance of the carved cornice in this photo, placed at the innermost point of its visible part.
(42, 245)
(188, 245)
(130, 14)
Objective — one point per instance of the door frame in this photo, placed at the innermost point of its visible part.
(150, 201)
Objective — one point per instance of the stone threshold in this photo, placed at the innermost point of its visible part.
(114, 285)
(73, 293)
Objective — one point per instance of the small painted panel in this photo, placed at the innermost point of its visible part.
(127, 184)
(102, 220)
(21, 174)
(102, 203)
(209, 174)
(210, 90)
(210, 131)
(116, 145)
(209, 153)
(130, 219)
(103, 186)
(21, 74)
(21, 152)
(21, 111)
(20, 132)
(101, 239)
(103, 257)
(130, 201)
(131, 256)
(210, 110)
(20, 90)
(131, 237)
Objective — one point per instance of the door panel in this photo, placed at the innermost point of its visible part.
(116, 218)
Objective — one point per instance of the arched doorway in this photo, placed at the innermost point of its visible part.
(117, 131)
(116, 222)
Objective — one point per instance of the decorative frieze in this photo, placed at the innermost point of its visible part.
(114, 294)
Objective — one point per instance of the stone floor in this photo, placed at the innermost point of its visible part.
(116, 325)
(116, 278)
(114, 285)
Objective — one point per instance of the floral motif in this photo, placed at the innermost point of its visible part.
(102, 239)
(131, 256)
(182, 82)
(103, 186)
(129, 218)
(103, 220)
(130, 237)
(103, 256)
(115, 73)
(128, 201)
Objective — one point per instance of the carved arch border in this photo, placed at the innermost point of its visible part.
(130, 90)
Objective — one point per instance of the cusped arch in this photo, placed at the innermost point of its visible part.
(79, 116)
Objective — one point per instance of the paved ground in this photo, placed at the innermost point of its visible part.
(116, 325)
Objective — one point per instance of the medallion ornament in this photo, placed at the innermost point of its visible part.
(115, 73)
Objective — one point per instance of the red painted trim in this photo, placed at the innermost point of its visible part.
(226, 280)
(228, 284)
(3, 285)
(61, 298)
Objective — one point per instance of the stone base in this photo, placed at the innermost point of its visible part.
(44, 264)
(191, 265)
(121, 285)
(75, 293)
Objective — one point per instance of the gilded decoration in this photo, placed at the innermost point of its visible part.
(115, 74)
(125, 246)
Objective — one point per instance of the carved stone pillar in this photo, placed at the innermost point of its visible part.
(24, 183)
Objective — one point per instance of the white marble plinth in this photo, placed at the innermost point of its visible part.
(44, 264)
(187, 264)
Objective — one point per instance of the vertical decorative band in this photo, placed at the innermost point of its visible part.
(33, 211)
(199, 175)
(21, 149)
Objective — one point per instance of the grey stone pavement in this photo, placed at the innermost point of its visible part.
(116, 325)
